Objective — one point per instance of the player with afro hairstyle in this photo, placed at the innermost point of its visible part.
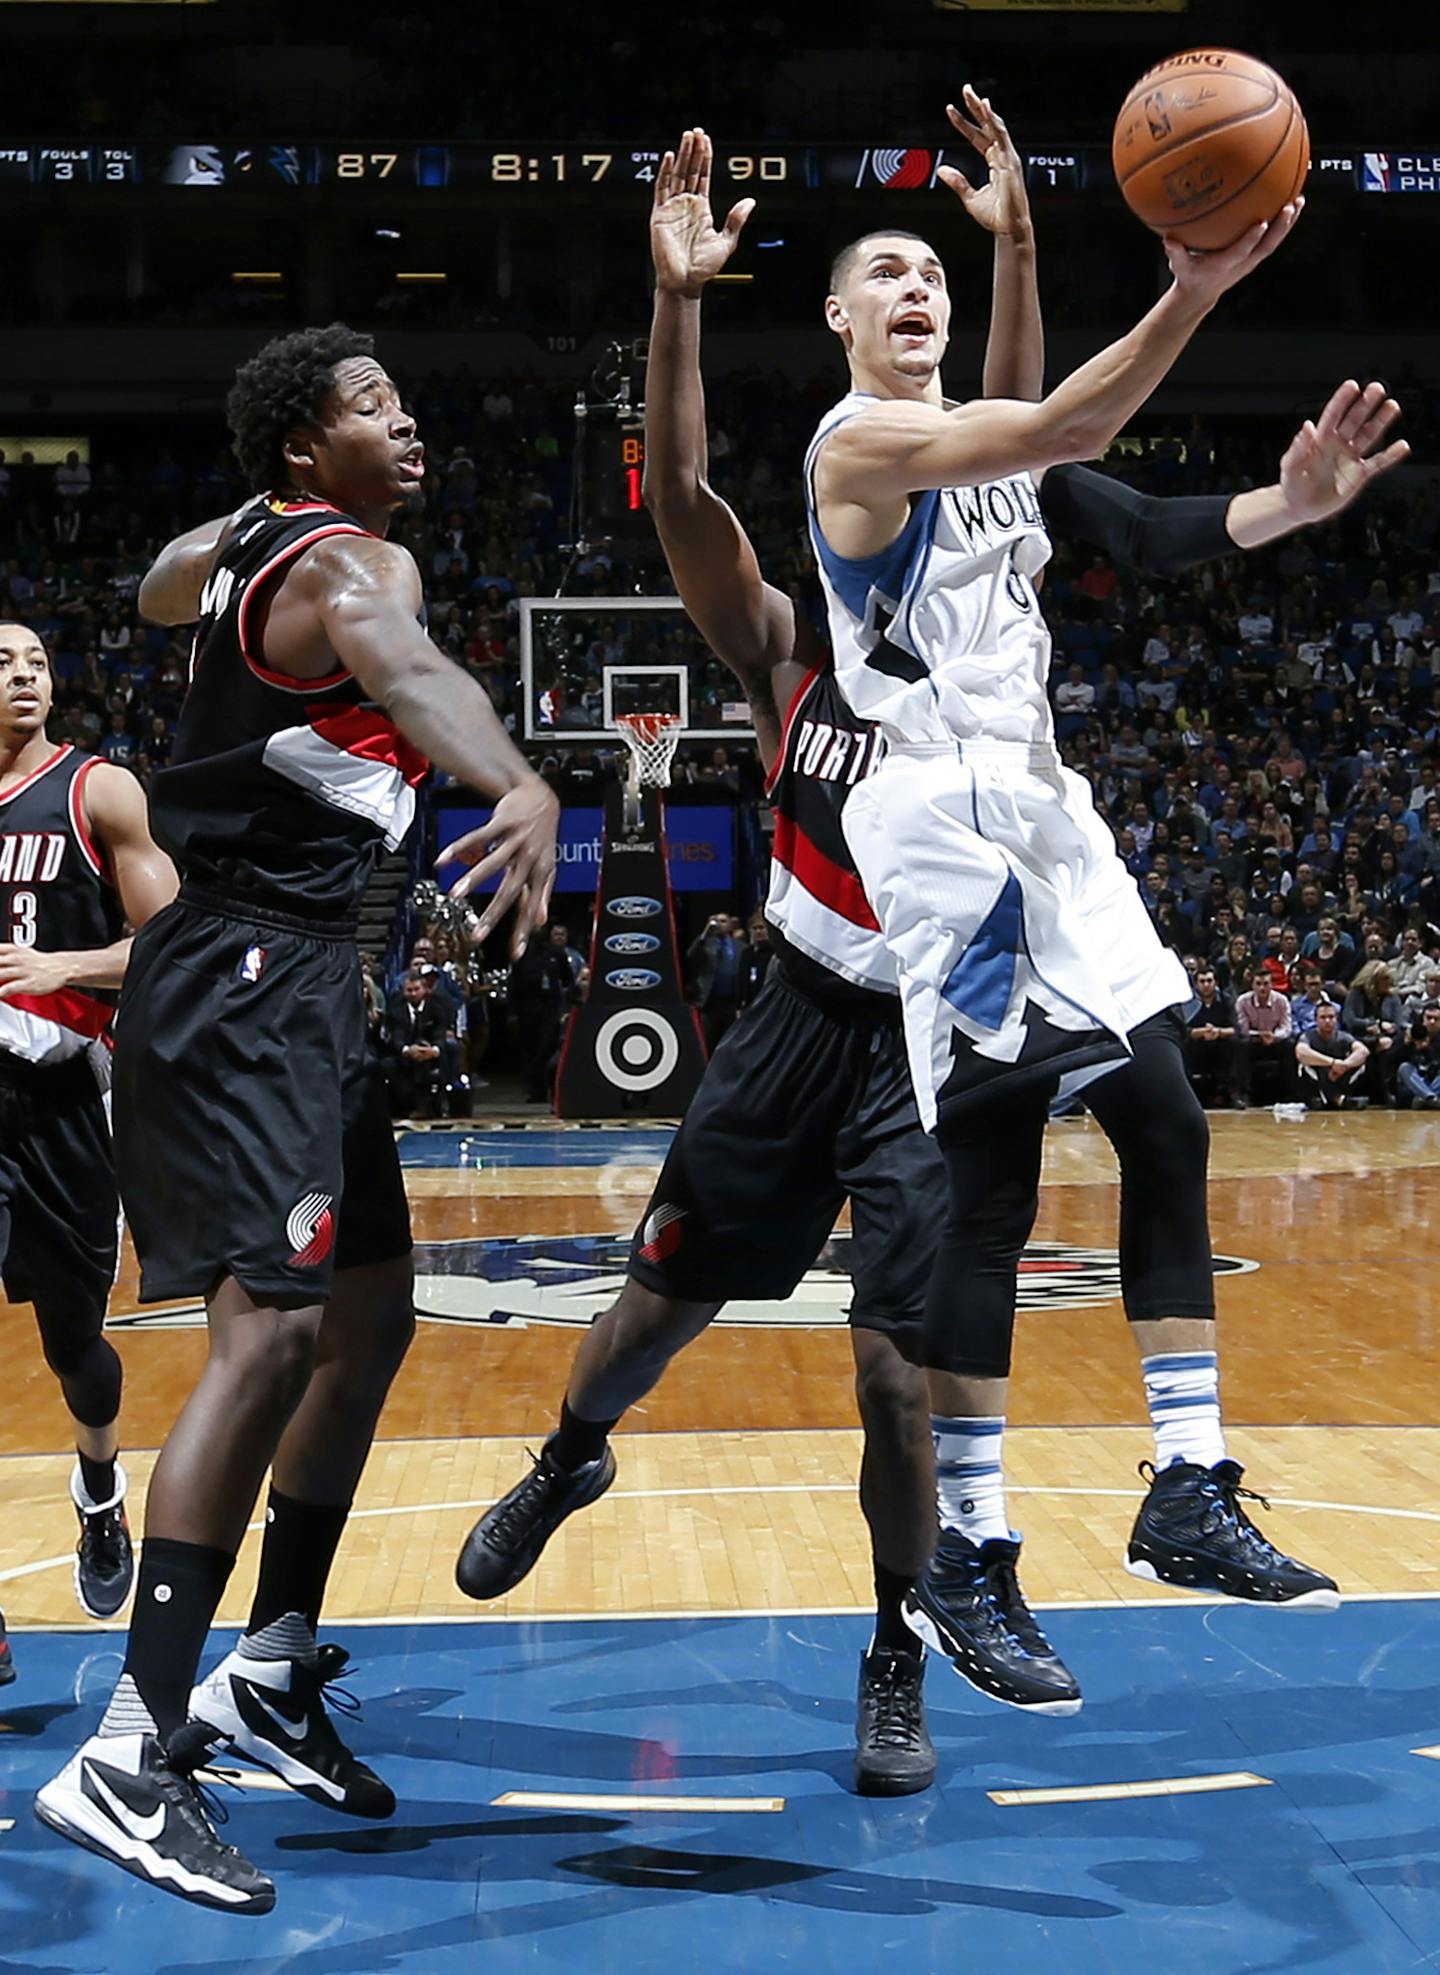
(282, 386)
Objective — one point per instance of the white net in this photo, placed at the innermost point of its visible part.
(652, 739)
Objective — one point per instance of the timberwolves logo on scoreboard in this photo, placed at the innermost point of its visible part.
(513, 1282)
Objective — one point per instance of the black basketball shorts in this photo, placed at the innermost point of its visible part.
(252, 1133)
(59, 1210)
(802, 1106)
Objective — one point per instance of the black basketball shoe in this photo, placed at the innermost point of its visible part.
(505, 1545)
(894, 1756)
(104, 1557)
(967, 1603)
(274, 1712)
(134, 1800)
(1192, 1532)
(7, 1659)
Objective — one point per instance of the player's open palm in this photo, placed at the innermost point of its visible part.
(1002, 205)
(1334, 458)
(687, 246)
(1204, 277)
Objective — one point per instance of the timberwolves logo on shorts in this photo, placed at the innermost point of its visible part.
(569, 1279)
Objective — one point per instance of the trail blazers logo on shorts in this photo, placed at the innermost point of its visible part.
(311, 1230)
(661, 1234)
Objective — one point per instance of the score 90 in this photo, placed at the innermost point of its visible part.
(743, 165)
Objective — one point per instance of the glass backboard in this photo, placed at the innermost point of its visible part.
(584, 659)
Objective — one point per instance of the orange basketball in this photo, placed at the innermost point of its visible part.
(1207, 143)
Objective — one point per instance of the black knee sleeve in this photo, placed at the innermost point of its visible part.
(1152, 1117)
(84, 1361)
(994, 1175)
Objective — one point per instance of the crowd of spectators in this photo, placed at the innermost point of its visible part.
(1263, 734)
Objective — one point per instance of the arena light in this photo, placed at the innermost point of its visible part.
(257, 274)
(421, 276)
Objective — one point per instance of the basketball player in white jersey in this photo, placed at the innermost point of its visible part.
(1026, 960)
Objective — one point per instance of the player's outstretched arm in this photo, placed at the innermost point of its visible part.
(366, 595)
(748, 623)
(170, 588)
(1328, 464)
(1015, 348)
(118, 821)
(873, 463)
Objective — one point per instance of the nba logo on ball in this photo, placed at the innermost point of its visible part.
(253, 963)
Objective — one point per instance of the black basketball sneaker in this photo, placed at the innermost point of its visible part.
(1192, 1532)
(135, 1800)
(104, 1556)
(967, 1603)
(7, 1658)
(274, 1712)
(505, 1544)
(894, 1756)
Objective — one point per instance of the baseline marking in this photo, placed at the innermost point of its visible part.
(1165, 1786)
(562, 1800)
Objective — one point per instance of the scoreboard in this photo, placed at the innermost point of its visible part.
(605, 172)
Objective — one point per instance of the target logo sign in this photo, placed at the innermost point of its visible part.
(636, 1049)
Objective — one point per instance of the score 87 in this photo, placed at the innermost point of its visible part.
(364, 164)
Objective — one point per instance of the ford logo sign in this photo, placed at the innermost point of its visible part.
(633, 980)
(635, 908)
(632, 943)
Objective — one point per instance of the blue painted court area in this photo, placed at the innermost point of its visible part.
(548, 1144)
(1334, 1865)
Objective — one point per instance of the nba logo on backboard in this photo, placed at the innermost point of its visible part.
(1375, 172)
(253, 963)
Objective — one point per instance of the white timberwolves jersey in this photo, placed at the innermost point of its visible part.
(940, 636)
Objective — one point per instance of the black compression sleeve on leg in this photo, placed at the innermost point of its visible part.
(1153, 1118)
(993, 1166)
(85, 1362)
(1161, 537)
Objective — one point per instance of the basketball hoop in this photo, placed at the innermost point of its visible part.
(652, 739)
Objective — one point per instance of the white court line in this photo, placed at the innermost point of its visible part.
(1100, 1793)
(7, 1824)
(559, 1800)
(17, 1571)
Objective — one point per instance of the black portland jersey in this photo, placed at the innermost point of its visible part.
(279, 790)
(54, 895)
(816, 902)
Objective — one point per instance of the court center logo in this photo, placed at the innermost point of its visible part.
(568, 1280)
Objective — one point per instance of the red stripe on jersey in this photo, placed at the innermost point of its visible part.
(284, 680)
(794, 707)
(89, 850)
(838, 889)
(69, 1008)
(365, 732)
(56, 758)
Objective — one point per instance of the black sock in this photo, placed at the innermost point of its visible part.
(180, 1586)
(577, 1441)
(301, 1539)
(891, 1631)
(98, 1477)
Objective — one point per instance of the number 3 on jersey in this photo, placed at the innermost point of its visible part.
(22, 918)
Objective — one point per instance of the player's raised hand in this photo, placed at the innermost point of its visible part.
(1333, 459)
(1203, 278)
(519, 843)
(1002, 206)
(687, 246)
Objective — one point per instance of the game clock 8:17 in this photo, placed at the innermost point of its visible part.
(611, 167)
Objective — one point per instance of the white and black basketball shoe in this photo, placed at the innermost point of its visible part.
(104, 1556)
(134, 1800)
(274, 1712)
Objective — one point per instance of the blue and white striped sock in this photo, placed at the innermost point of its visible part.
(969, 1475)
(1182, 1390)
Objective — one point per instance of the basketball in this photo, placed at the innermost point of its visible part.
(1207, 143)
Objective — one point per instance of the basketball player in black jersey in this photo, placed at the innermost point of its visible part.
(77, 865)
(732, 1242)
(253, 1138)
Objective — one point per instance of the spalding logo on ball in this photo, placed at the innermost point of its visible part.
(1208, 143)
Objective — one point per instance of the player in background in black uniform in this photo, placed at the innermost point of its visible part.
(253, 1138)
(77, 865)
(758, 632)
